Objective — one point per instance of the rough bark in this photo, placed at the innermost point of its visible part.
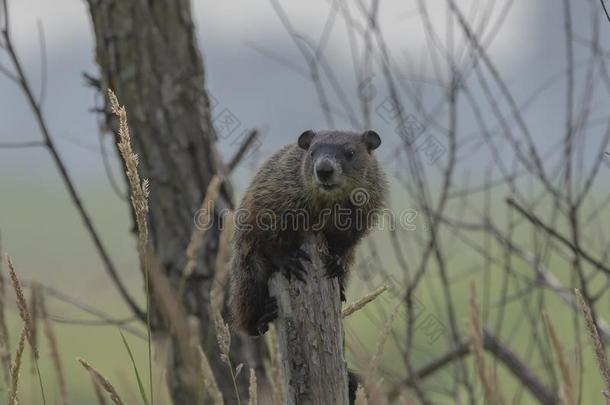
(148, 54)
(310, 333)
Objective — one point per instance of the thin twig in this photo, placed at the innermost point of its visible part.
(362, 302)
(555, 234)
(605, 9)
(243, 149)
(21, 145)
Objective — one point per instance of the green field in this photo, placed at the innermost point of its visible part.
(42, 233)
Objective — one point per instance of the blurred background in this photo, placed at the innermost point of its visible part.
(528, 122)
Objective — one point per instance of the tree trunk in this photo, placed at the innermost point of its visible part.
(148, 54)
(310, 333)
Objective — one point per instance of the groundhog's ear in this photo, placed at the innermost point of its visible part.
(305, 139)
(371, 139)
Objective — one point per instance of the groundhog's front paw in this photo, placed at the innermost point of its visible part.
(334, 266)
(270, 313)
(291, 265)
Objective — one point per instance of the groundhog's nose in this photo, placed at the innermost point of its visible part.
(324, 170)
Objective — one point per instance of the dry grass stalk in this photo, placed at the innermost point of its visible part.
(252, 389)
(103, 382)
(209, 381)
(139, 201)
(223, 335)
(53, 345)
(198, 234)
(172, 311)
(33, 307)
(205, 370)
(99, 392)
(276, 379)
(22, 306)
(383, 337)
(576, 361)
(361, 396)
(356, 306)
(372, 381)
(488, 377)
(13, 388)
(169, 306)
(221, 272)
(5, 348)
(600, 353)
(568, 391)
(123, 380)
(405, 398)
(139, 189)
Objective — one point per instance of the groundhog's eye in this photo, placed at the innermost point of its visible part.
(349, 154)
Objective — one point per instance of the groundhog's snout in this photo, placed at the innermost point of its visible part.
(327, 173)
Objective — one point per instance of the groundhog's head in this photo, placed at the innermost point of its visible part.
(336, 162)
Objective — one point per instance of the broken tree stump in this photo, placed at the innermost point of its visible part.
(310, 333)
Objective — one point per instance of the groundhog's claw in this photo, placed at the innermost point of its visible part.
(269, 315)
(334, 266)
(301, 254)
(292, 266)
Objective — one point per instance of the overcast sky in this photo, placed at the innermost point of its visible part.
(264, 94)
(258, 90)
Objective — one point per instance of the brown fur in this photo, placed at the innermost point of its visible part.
(283, 184)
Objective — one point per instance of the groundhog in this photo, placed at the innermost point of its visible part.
(327, 182)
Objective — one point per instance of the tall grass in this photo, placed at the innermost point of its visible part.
(276, 370)
(15, 369)
(139, 201)
(252, 389)
(209, 380)
(52, 343)
(361, 396)
(487, 375)
(223, 335)
(371, 379)
(24, 313)
(5, 348)
(568, 386)
(135, 368)
(598, 347)
(102, 381)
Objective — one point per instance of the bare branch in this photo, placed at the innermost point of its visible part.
(63, 170)
(555, 234)
(605, 9)
(20, 145)
(243, 149)
(518, 368)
